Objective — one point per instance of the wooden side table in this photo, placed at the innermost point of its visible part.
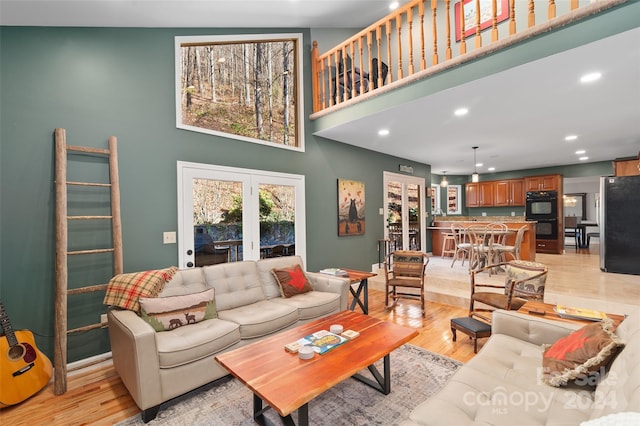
(549, 313)
(361, 294)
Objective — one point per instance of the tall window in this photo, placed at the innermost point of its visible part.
(227, 214)
(246, 87)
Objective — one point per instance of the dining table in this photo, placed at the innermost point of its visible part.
(485, 245)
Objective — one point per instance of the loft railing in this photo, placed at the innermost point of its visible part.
(408, 42)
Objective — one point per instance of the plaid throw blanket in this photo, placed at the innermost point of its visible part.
(124, 290)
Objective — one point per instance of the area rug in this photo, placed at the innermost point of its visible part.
(416, 374)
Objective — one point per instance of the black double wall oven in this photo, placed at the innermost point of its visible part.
(542, 206)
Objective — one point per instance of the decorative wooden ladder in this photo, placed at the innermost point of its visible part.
(62, 150)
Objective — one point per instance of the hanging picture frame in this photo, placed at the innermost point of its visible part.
(453, 199)
(351, 207)
(486, 16)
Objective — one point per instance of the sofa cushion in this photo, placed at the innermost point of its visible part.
(620, 390)
(260, 318)
(313, 304)
(500, 386)
(292, 281)
(187, 344)
(582, 352)
(185, 281)
(166, 313)
(124, 290)
(269, 283)
(237, 284)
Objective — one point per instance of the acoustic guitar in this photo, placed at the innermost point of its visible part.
(24, 370)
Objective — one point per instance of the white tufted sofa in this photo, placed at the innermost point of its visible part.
(501, 386)
(158, 366)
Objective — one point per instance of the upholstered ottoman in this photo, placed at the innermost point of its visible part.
(471, 327)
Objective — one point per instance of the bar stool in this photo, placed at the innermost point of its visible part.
(448, 245)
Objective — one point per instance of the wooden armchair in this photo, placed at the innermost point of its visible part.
(524, 281)
(405, 269)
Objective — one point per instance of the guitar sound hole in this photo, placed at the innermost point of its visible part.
(16, 352)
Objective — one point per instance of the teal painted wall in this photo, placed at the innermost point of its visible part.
(97, 82)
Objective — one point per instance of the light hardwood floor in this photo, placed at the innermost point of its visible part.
(97, 396)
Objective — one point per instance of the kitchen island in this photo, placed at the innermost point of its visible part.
(443, 226)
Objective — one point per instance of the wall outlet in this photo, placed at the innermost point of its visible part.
(103, 318)
(168, 237)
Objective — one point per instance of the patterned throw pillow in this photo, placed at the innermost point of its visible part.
(168, 313)
(292, 281)
(519, 270)
(582, 352)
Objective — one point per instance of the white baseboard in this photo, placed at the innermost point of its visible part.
(89, 362)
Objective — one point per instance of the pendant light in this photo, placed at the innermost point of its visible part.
(443, 182)
(475, 177)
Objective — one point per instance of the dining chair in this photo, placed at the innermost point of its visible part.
(476, 235)
(524, 281)
(405, 269)
(485, 241)
(571, 229)
(276, 251)
(462, 244)
(513, 250)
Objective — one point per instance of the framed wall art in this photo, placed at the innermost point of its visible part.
(486, 15)
(454, 199)
(351, 207)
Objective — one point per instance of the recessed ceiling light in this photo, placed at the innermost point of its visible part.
(571, 137)
(383, 132)
(479, 164)
(580, 151)
(591, 77)
(583, 158)
(461, 111)
(393, 5)
(491, 169)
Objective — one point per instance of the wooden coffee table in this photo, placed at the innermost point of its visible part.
(287, 383)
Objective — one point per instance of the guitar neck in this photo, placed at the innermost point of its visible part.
(6, 327)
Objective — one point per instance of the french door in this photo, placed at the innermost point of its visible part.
(404, 209)
(229, 214)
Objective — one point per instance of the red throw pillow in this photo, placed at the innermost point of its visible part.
(582, 352)
(292, 281)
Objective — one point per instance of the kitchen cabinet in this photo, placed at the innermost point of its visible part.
(479, 194)
(543, 183)
(626, 167)
(549, 246)
(509, 192)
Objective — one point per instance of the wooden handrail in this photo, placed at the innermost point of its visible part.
(395, 47)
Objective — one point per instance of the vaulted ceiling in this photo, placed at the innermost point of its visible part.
(518, 118)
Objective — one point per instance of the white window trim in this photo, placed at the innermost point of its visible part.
(435, 191)
(251, 237)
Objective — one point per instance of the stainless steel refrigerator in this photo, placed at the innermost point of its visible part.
(620, 224)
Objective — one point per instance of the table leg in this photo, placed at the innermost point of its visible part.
(383, 381)
(364, 303)
(258, 414)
